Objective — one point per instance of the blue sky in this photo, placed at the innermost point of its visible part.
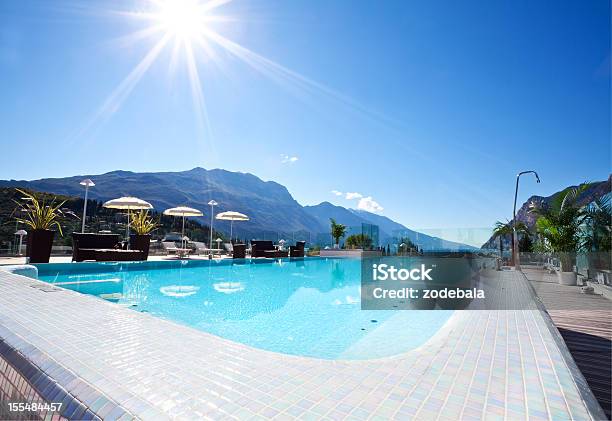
(428, 108)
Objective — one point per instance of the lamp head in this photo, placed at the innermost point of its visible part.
(537, 177)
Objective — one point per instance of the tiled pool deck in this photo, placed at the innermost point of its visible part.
(121, 363)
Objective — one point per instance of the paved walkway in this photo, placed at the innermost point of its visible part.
(585, 322)
(117, 362)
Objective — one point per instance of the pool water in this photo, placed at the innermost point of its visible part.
(308, 307)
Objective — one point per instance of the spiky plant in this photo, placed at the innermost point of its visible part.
(38, 214)
(141, 223)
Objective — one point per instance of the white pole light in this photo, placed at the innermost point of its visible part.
(87, 183)
(212, 204)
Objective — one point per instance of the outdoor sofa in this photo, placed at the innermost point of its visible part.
(260, 247)
(298, 249)
(101, 248)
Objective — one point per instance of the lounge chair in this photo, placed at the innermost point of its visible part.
(171, 248)
(298, 249)
(101, 248)
(201, 248)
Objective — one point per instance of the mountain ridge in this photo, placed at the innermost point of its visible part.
(272, 209)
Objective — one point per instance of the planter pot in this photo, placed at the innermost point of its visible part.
(142, 243)
(567, 278)
(39, 246)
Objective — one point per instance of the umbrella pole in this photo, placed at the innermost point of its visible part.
(231, 229)
(183, 233)
(128, 229)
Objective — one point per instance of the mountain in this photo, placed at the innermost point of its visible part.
(273, 212)
(268, 204)
(593, 191)
(389, 230)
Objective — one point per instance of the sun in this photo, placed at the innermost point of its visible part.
(188, 29)
(185, 19)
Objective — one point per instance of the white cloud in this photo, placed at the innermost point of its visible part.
(354, 195)
(370, 205)
(286, 159)
(336, 193)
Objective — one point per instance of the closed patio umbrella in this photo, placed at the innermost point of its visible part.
(129, 203)
(232, 216)
(182, 211)
(20, 233)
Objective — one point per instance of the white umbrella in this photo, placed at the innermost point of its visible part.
(20, 233)
(232, 216)
(182, 211)
(129, 203)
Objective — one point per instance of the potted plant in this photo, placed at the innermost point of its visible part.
(559, 225)
(358, 241)
(337, 231)
(40, 217)
(142, 225)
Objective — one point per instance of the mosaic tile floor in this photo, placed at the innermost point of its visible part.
(480, 365)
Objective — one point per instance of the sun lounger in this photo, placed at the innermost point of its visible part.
(171, 248)
(201, 248)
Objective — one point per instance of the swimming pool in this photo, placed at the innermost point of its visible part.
(308, 307)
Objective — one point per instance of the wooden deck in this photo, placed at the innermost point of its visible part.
(585, 322)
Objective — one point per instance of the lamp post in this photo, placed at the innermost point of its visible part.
(87, 183)
(515, 254)
(212, 204)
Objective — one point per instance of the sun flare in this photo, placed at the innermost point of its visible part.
(184, 19)
(189, 30)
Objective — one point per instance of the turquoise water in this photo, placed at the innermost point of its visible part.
(308, 307)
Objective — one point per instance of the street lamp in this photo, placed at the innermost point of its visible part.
(87, 183)
(212, 204)
(515, 254)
